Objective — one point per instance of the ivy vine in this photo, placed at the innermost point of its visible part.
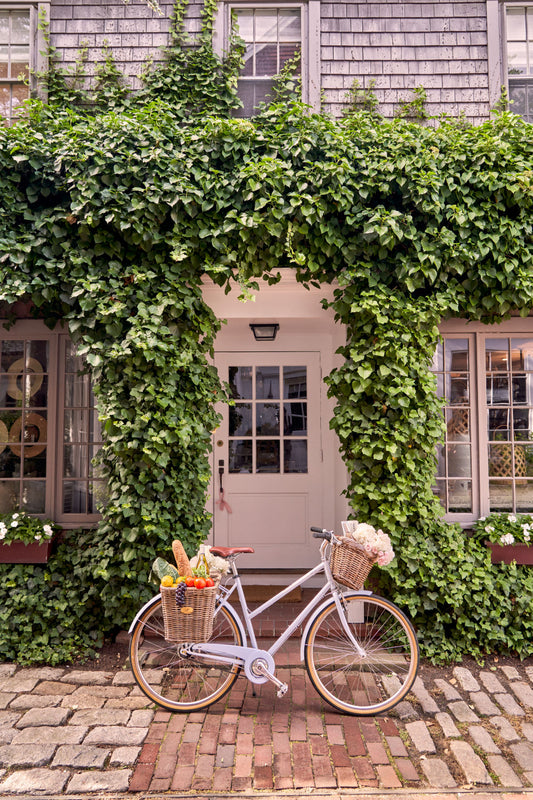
(113, 209)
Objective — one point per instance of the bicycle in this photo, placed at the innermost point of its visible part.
(360, 651)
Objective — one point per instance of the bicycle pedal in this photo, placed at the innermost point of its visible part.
(282, 691)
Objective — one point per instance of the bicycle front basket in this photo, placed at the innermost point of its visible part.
(349, 563)
(192, 626)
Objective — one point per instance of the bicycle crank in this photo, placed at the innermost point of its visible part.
(258, 665)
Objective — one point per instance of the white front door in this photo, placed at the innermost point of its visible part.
(267, 458)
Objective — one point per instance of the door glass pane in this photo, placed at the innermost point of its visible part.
(267, 383)
(240, 455)
(295, 455)
(294, 382)
(267, 419)
(240, 381)
(267, 455)
(240, 419)
(295, 419)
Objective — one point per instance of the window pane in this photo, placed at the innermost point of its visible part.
(248, 68)
(245, 21)
(267, 419)
(295, 419)
(240, 456)
(267, 383)
(266, 59)
(240, 420)
(76, 461)
(33, 497)
(295, 455)
(524, 497)
(4, 27)
(8, 497)
(240, 381)
(500, 496)
(20, 27)
(288, 52)
(294, 382)
(517, 58)
(289, 25)
(459, 460)
(268, 456)
(459, 497)
(516, 24)
(458, 424)
(266, 25)
(252, 94)
(35, 467)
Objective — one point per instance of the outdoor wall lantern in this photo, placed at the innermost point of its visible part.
(264, 332)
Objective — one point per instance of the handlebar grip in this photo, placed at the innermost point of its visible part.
(321, 533)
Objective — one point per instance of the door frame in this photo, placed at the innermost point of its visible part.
(304, 326)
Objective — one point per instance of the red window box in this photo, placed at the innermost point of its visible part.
(20, 553)
(507, 553)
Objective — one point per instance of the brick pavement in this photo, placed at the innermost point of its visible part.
(67, 731)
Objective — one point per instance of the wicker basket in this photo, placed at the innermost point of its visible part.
(349, 563)
(193, 627)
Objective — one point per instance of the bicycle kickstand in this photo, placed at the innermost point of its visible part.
(260, 668)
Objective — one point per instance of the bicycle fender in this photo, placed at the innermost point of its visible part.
(327, 601)
(142, 610)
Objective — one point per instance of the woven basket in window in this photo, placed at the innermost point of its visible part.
(191, 626)
(349, 563)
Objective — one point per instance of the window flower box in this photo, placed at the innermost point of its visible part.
(25, 539)
(507, 553)
(18, 552)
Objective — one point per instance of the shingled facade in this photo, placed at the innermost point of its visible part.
(455, 50)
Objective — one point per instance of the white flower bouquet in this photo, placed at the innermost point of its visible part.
(375, 543)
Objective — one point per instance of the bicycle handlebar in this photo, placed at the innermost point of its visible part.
(322, 533)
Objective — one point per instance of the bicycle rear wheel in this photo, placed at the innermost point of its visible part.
(355, 684)
(176, 682)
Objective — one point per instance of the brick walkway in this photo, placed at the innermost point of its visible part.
(474, 728)
(67, 731)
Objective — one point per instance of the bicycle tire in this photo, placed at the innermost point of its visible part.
(174, 682)
(362, 686)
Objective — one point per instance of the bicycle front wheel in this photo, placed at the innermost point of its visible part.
(177, 682)
(378, 679)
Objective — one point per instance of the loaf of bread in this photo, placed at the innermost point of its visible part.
(184, 567)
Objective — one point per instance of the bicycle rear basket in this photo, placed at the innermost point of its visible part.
(191, 626)
(349, 563)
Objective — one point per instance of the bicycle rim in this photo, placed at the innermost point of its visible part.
(180, 683)
(357, 685)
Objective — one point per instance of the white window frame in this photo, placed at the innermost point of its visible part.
(310, 20)
(477, 334)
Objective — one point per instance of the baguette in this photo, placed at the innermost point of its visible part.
(184, 567)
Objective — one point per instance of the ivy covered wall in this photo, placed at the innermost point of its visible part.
(113, 208)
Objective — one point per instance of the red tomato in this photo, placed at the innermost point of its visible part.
(189, 580)
(199, 583)
(209, 582)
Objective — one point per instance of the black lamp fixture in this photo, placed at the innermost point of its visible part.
(264, 331)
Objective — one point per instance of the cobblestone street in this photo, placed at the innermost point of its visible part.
(78, 731)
